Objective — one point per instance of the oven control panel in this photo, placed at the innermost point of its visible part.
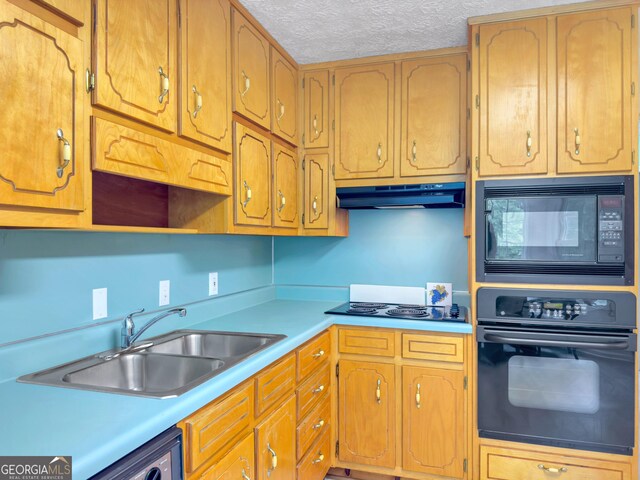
(611, 228)
(555, 309)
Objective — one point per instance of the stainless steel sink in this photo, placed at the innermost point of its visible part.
(162, 367)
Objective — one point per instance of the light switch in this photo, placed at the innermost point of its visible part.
(99, 303)
(165, 293)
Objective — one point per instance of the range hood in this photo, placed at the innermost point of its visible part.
(432, 195)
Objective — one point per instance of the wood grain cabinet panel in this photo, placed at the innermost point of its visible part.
(594, 91)
(513, 98)
(316, 109)
(285, 187)
(313, 390)
(236, 464)
(433, 422)
(366, 342)
(367, 406)
(316, 191)
(284, 98)
(71, 9)
(276, 445)
(135, 59)
(434, 109)
(275, 383)
(252, 163)
(42, 79)
(313, 354)
(251, 83)
(364, 112)
(131, 153)
(205, 66)
(432, 347)
(315, 465)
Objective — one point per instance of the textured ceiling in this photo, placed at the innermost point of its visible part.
(323, 30)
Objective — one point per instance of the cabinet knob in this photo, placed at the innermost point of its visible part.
(281, 110)
(418, 396)
(320, 389)
(247, 190)
(247, 84)
(198, 101)
(314, 205)
(65, 156)
(164, 85)
(577, 140)
(318, 425)
(529, 143)
(378, 393)
(321, 352)
(319, 459)
(283, 200)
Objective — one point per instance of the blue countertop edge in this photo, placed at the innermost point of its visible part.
(97, 429)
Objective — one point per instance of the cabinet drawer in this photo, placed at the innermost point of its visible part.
(432, 347)
(275, 383)
(315, 465)
(313, 354)
(313, 390)
(236, 463)
(506, 464)
(216, 426)
(314, 425)
(366, 342)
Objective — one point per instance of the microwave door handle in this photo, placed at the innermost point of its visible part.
(541, 342)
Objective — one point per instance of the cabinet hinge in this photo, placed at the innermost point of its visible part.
(468, 163)
(333, 171)
(303, 139)
(179, 16)
(303, 83)
(633, 157)
(89, 81)
(303, 218)
(633, 21)
(337, 369)
(337, 449)
(477, 164)
(477, 101)
(633, 88)
(333, 80)
(304, 163)
(468, 65)
(466, 382)
(464, 465)
(333, 124)
(468, 113)
(477, 39)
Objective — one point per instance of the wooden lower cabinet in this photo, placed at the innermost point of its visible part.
(236, 464)
(433, 421)
(276, 444)
(367, 412)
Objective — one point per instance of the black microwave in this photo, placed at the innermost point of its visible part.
(556, 231)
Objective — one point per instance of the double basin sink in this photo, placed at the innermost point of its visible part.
(161, 367)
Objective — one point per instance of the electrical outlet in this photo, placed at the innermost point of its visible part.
(99, 303)
(213, 283)
(165, 293)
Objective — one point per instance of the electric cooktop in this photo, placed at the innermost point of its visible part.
(454, 313)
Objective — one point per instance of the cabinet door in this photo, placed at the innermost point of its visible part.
(316, 109)
(366, 413)
(135, 59)
(285, 187)
(42, 114)
(250, 72)
(284, 98)
(205, 65)
(364, 121)
(238, 464)
(513, 98)
(434, 104)
(276, 444)
(252, 163)
(594, 92)
(316, 191)
(433, 418)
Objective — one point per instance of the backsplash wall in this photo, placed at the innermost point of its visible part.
(386, 247)
(47, 277)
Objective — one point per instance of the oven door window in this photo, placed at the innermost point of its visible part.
(542, 229)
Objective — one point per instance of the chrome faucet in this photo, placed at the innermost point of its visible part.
(127, 335)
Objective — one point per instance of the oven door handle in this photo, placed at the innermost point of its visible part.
(616, 345)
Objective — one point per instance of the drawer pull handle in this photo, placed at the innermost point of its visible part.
(379, 152)
(281, 108)
(247, 84)
(66, 153)
(378, 393)
(247, 189)
(164, 85)
(578, 140)
(274, 460)
(283, 201)
(245, 476)
(319, 459)
(319, 389)
(198, 101)
(529, 143)
(418, 396)
(414, 152)
(552, 469)
(319, 354)
(318, 425)
(315, 125)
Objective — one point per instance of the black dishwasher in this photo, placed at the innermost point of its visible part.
(158, 459)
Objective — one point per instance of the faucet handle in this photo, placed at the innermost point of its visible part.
(137, 312)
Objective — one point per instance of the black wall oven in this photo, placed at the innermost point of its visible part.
(556, 230)
(557, 368)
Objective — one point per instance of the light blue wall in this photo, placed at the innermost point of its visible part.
(46, 278)
(386, 247)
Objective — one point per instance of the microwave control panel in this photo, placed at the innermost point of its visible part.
(611, 228)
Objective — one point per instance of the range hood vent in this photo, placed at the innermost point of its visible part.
(432, 195)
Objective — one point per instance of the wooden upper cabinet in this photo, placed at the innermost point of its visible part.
(252, 163)
(135, 59)
(276, 444)
(316, 191)
(73, 10)
(285, 187)
(433, 421)
(513, 98)
(594, 58)
(250, 71)
(434, 104)
(316, 109)
(284, 98)
(205, 66)
(42, 117)
(364, 113)
(367, 412)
